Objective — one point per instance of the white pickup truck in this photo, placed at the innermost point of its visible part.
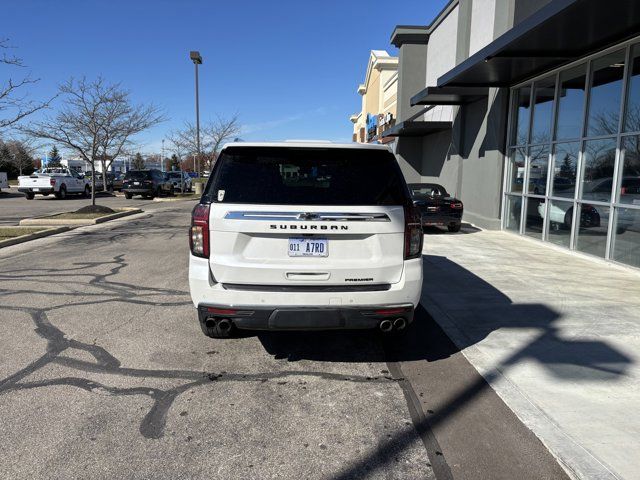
(59, 181)
(4, 183)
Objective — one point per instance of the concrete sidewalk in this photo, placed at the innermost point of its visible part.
(556, 335)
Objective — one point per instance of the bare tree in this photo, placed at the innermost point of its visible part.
(96, 120)
(218, 133)
(14, 104)
(213, 135)
(120, 121)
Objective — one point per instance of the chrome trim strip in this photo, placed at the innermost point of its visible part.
(308, 216)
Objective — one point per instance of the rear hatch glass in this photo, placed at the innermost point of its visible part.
(137, 175)
(307, 176)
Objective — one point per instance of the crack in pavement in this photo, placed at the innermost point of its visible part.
(153, 424)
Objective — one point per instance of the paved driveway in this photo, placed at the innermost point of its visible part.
(556, 334)
(104, 373)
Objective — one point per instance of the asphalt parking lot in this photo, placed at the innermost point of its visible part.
(14, 206)
(104, 373)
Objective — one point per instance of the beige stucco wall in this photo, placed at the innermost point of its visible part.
(379, 90)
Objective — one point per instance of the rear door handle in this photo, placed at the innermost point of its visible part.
(307, 276)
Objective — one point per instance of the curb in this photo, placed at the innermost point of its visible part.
(46, 221)
(174, 199)
(32, 236)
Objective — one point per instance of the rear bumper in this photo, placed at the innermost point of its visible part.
(309, 318)
(138, 191)
(441, 219)
(299, 309)
(39, 190)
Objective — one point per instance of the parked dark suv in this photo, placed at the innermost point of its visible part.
(148, 183)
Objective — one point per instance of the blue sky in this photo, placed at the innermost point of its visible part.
(290, 69)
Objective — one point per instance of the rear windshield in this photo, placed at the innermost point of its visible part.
(137, 175)
(307, 176)
(424, 190)
(175, 175)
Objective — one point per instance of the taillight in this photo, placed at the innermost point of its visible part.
(199, 233)
(456, 205)
(412, 232)
(623, 191)
(52, 182)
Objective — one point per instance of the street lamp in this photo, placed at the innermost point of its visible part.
(197, 60)
(162, 157)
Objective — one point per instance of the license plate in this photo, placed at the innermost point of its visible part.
(35, 189)
(136, 183)
(308, 247)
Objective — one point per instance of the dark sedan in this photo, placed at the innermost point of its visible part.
(436, 206)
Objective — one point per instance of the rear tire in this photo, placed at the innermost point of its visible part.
(62, 193)
(216, 331)
(29, 196)
(454, 228)
(568, 218)
(128, 195)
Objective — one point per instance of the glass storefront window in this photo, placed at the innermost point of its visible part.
(592, 229)
(571, 102)
(632, 113)
(578, 142)
(630, 183)
(560, 219)
(565, 169)
(538, 169)
(599, 161)
(543, 95)
(534, 217)
(512, 212)
(626, 244)
(523, 106)
(516, 170)
(606, 91)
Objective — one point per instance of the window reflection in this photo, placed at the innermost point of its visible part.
(538, 169)
(523, 105)
(630, 183)
(632, 115)
(565, 169)
(626, 246)
(571, 102)
(606, 90)
(534, 217)
(512, 214)
(516, 170)
(592, 230)
(599, 161)
(560, 220)
(544, 92)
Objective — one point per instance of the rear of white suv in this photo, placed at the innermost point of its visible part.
(301, 236)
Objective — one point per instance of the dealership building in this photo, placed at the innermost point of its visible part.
(529, 112)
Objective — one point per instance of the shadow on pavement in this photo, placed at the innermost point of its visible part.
(466, 229)
(488, 310)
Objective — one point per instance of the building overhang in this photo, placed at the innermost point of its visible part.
(449, 95)
(413, 34)
(559, 33)
(416, 129)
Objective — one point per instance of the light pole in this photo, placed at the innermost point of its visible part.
(162, 157)
(196, 58)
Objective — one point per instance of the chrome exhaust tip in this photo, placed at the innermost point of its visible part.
(386, 326)
(224, 324)
(399, 323)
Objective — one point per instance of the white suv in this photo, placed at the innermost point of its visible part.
(303, 236)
